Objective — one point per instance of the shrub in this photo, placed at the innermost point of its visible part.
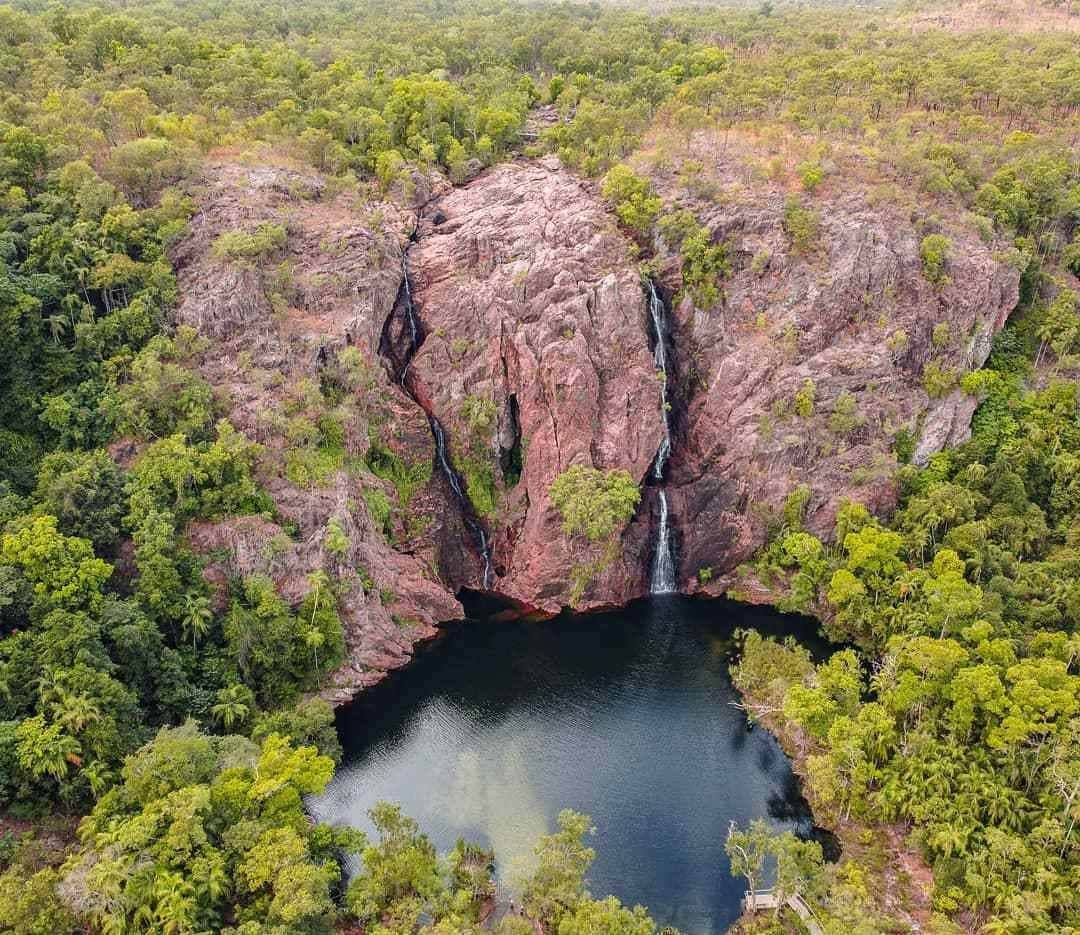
(335, 540)
(1070, 256)
(676, 227)
(380, 508)
(633, 198)
(845, 417)
(934, 252)
(247, 246)
(800, 224)
(811, 174)
(803, 403)
(938, 380)
(897, 342)
(704, 264)
(795, 507)
(594, 503)
(941, 335)
(386, 465)
(479, 479)
(479, 413)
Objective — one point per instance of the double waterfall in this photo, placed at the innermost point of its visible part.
(438, 434)
(663, 563)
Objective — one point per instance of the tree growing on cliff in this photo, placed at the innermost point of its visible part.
(594, 503)
(633, 198)
(934, 253)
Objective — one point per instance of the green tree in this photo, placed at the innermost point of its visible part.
(934, 253)
(594, 503)
(234, 706)
(632, 197)
(747, 851)
(556, 888)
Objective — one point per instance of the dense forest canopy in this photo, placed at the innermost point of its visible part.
(187, 733)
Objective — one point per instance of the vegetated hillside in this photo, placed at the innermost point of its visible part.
(1022, 15)
(312, 315)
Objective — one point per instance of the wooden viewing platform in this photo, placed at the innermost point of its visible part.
(767, 899)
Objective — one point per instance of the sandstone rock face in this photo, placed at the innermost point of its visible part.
(533, 355)
(855, 316)
(535, 313)
(276, 328)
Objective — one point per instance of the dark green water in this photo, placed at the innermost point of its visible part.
(624, 715)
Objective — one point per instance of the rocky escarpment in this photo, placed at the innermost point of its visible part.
(853, 323)
(536, 359)
(294, 338)
(533, 352)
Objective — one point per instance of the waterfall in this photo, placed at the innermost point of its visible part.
(454, 480)
(446, 467)
(415, 335)
(663, 566)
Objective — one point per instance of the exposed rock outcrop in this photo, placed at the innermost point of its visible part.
(536, 357)
(535, 312)
(855, 316)
(278, 326)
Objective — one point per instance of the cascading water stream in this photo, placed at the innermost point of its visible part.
(415, 336)
(663, 565)
(453, 479)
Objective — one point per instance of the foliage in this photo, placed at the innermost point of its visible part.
(800, 224)
(246, 246)
(406, 478)
(29, 904)
(274, 648)
(556, 889)
(402, 879)
(803, 402)
(934, 253)
(845, 417)
(967, 733)
(594, 503)
(633, 198)
(203, 829)
(966, 607)
(704, 264)
(938, 380)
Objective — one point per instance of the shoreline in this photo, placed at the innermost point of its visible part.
(908, 881)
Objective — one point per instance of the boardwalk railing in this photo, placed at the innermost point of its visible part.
(767, 899)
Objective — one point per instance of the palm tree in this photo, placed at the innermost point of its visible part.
(314, 638)
(46, 751)
(99, 777)
(233, 707)
(74, 712)
(57, 326)
(197, 617)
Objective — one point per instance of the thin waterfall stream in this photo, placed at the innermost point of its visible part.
(663, 563)
(438, 433)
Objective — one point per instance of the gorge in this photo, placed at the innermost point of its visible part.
(473, 467)
(540, 349)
